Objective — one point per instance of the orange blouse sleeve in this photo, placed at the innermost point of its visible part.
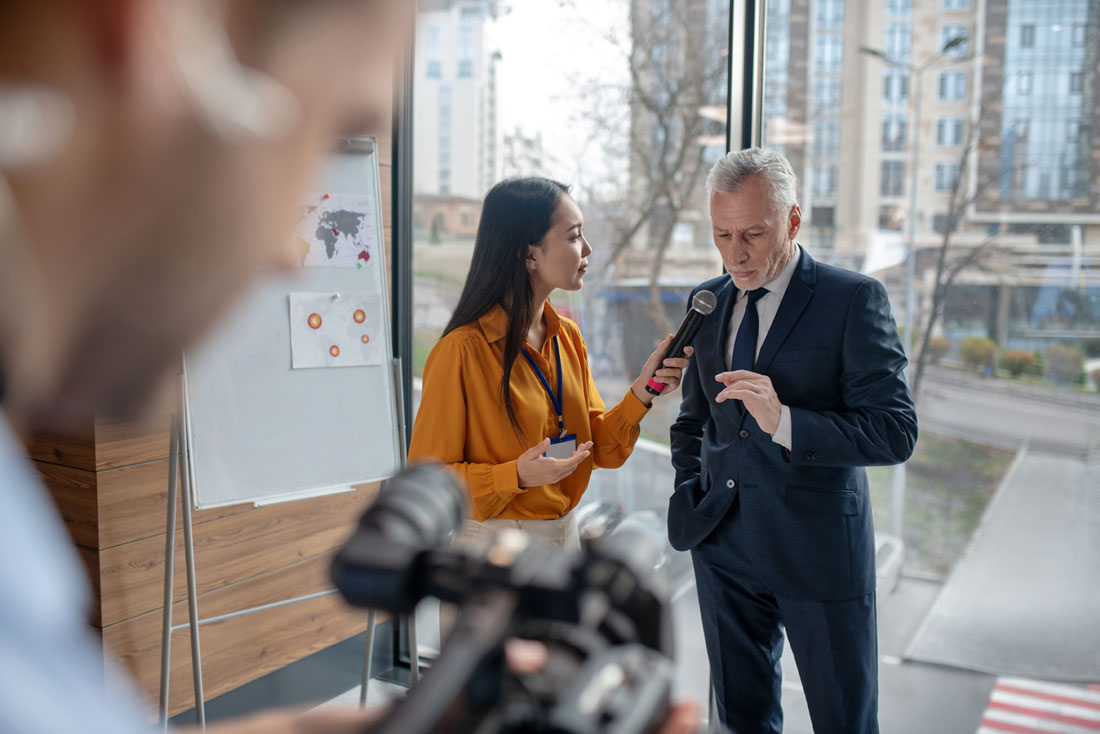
(439, 433)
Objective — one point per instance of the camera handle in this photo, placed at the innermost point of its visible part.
(483, 627)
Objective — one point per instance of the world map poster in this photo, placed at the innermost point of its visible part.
(337, 231)
(335, 330)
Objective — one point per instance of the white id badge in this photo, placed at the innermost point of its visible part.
(562, 448)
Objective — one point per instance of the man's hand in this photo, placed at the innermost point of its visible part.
(757, 393)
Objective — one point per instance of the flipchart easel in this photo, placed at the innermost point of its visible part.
(243, 364)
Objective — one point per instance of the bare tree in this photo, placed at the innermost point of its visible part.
(652, 120)
(950, 264)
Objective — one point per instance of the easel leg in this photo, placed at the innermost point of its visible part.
(192, 591)
(368, 657)
(169, 572)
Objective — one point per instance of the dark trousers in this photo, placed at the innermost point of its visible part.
(834, 643)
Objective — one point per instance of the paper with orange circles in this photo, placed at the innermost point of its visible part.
(335, 330)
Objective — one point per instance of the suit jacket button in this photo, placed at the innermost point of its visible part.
(731, 484)
(743, 433)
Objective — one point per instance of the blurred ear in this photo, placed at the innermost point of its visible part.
(534, 257)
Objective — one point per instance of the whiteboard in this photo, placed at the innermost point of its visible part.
(257, 429)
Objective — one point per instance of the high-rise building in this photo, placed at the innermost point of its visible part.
(455, 96)
(845, 82)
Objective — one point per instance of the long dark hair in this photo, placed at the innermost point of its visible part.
(517, 213)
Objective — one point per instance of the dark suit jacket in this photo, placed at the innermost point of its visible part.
(835, 358)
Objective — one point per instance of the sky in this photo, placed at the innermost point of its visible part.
(548, 49)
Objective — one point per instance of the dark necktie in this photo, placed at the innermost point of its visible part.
(744, 346)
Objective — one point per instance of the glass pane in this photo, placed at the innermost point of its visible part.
(625, 100)
(997, 507)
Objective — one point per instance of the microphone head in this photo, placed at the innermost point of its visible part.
(704, 302)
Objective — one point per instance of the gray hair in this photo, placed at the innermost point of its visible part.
(733, 168)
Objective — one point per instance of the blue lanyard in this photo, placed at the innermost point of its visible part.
(554, 398)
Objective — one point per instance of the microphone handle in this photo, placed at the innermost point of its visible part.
(688, 328)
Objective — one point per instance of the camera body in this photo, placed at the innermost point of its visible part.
(605, 622)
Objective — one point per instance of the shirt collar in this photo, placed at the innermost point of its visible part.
(779, 283)
(494, 323)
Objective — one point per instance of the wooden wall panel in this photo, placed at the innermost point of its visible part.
(74, 493)
(73, 447)
(227, 550)
(133, 504)
(241, 649)
(125, 444)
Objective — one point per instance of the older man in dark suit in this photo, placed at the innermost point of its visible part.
(796, 385)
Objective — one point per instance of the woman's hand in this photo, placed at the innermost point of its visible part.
(534, 469)
(666, 371)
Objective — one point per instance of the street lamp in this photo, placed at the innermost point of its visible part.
(916, 74)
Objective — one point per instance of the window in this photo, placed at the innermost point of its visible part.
(946, 175)
(465, 50)
(890, 217)
(826, 138)
(824, 180)
(895, 83)
(1032, 158)
(1076, 131)
(1027, 36)
(826, 97)
(897, 41)
(900, 8)
(949, 33)
(1023, 83)
(1075, 82)
(554, 108)
(949, 131)
(1078, 35)
(893, 133)
(952, 85)
(893, 178)
(433, 40)
(830, 14)
(828, 52)
(822, 217)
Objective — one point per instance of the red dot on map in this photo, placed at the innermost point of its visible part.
(334, 350)
(335, 231)
(326, 196)
(314, 321)
(366, 338)
(359, 316)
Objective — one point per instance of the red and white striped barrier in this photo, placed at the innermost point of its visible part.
(1024, 706)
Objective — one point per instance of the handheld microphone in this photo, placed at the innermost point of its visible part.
(701, 306)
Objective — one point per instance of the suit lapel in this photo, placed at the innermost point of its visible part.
(799, 293)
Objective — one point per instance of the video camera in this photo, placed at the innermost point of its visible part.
(603, 619)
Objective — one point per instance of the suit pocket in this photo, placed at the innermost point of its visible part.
(822, 501)
(802, 355)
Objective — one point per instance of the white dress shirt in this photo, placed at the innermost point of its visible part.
(51, 663)
(766, 308)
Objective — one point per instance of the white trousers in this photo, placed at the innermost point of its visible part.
(557, 533)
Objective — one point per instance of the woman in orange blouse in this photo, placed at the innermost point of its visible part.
(504, 332)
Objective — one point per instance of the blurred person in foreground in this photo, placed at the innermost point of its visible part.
(152, 157)
(797, 384)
